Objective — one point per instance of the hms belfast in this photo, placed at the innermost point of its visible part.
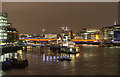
(65, 42)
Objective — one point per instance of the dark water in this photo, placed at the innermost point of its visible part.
(91, 61)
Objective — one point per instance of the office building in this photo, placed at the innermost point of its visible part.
(3, 27)
(116, 33)
(51, 36)
(12, 35)
(89, 34)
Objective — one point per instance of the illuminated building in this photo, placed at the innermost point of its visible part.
(9, 24)
(117, 27)
(65, 37)
(71, 34)
(89, 33)
(107, 34)
(3, 27)
(51, 36)
(78, 37)
(29, 36)
(7, 33)
(12, 35)
(24, 35)
(34, 36)
(111, 34)
(66, 34)
(117, 33)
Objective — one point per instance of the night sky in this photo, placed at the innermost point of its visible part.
(32, 17)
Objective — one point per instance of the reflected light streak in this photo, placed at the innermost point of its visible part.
(50, 57)
(67, 55)
(47, 58)
(54, 57)
(16, 55)
(78, 55)
(20, 52)
(1, 58)
(43, 57)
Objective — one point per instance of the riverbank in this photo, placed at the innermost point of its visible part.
(10, 49)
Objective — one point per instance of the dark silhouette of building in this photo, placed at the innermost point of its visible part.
(12, 35)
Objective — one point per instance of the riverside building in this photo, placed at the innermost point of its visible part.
(3, 27)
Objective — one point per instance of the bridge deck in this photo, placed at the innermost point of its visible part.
(56, 39)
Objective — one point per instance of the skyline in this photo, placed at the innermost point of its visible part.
(51, 16)
(66, 38)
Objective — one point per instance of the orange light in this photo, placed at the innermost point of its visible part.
(83, 40)
(56, 39)
(79, 54)
(69, 33)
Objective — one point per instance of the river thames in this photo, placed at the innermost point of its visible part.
(92, 60)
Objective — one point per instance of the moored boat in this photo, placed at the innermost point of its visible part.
(14, 63)
(19, 63)
(66, 43)
(64, 59)
(7, 65)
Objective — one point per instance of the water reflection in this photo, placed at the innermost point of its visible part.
(18, 55)
(91, 61)
(53, 57)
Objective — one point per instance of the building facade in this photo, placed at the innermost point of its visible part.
(12, 35)
(3, 27)
(51, 36)
(108, 34)
(7, 33)
(90, 34)
(116, 33)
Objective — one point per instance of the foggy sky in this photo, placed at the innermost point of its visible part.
(32, 17)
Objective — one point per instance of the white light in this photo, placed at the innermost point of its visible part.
(70, 49)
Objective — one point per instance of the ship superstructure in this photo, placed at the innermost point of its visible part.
(65, 41)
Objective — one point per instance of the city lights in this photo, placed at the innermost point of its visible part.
(88, 43)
